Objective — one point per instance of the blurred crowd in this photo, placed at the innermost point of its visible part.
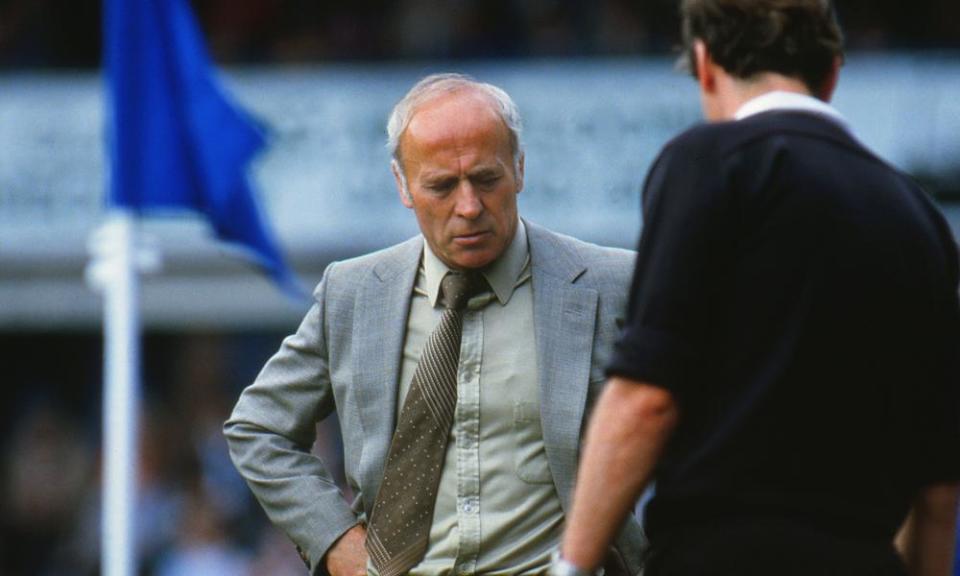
(66, 33)
(194, 515)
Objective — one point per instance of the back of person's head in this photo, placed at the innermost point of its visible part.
(796, 38)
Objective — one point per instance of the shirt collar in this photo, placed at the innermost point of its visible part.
(503, 275)
(782, 100)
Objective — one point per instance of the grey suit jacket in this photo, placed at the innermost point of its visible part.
(346, 354)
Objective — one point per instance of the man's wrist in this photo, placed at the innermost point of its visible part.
(561, 567)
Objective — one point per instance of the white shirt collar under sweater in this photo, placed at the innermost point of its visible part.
(782, 100)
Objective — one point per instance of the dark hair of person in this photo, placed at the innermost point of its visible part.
(796, 38)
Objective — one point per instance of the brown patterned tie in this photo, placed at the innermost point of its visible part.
(399, 527)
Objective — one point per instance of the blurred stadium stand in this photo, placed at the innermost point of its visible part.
(592, 128)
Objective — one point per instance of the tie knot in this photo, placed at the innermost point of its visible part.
(458, 287)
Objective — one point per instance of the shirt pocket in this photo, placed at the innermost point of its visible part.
(530, 456)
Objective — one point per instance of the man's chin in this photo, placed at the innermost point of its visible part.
(471, 260)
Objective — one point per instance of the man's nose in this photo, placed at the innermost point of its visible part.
(468, 203)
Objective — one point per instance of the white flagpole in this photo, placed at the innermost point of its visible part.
(114, 270)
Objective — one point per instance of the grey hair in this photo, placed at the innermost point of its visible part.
(438, 84)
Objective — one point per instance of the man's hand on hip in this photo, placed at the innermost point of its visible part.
(348, 556)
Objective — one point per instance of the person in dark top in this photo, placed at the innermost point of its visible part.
(788, 375)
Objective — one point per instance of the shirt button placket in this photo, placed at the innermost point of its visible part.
(468, 411)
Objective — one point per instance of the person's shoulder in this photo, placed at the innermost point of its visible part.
(728, 144)
(601, 257)
(598, 262)
(782, 128)
(342, 275)
(396, 254)
(696, 149)
(700, 135)
(716, 138)
(577, 246)
(723, 135)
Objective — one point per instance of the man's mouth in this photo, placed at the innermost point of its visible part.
(471, 238)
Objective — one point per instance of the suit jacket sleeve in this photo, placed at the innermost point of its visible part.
(272, 430)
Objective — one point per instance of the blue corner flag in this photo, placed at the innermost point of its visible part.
(176, 140)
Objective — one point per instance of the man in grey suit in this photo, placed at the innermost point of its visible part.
(534, 337)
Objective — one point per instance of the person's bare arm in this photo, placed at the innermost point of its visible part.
(628, 430)
(348, 556)
(926, 540)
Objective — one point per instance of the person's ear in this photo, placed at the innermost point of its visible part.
(706, 67)
(519, 175)
(401, 182)
(830, 83)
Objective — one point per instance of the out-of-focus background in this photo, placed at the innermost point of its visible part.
(596, 83)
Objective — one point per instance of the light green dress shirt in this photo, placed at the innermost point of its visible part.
(497, 510)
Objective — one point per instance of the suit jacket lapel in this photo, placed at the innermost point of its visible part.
(379, 328)
(564, 315)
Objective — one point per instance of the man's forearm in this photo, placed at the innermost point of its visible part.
(627, 433)
(927, 540)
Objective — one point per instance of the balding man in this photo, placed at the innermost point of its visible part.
(460, 364)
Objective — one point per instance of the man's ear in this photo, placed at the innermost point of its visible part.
(519, 175)
(706, 68)
(401, 182)
(830, 82)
